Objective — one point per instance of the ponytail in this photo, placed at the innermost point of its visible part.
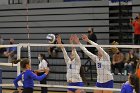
(15, 61)
(23, 62)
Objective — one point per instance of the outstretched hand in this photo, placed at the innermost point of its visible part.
(58, 39)
(85, 37)
(71, 39)
(76, 39)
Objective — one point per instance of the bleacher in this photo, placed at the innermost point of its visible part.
(64, 18)
(120, 28)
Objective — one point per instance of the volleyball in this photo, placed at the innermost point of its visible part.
(50, 38)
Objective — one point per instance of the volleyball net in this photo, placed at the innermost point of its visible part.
(58, 69)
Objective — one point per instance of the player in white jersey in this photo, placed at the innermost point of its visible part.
(103, 65)
(73, 68)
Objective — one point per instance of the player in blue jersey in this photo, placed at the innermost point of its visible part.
(131, 85)
(27, 77)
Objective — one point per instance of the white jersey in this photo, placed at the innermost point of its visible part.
(43, 65)
(103, 65)
(73, 67)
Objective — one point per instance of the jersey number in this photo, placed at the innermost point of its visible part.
(22, 77)
(70, 66)
(99, 65)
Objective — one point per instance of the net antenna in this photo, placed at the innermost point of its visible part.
(27, 20)
(28, 30)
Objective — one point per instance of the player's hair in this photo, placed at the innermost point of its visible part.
(134, 81)
(44, 57)
(23, 62)
(92, 30)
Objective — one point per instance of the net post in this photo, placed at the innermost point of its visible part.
(18, 57)
(29, 53)
(0, 80)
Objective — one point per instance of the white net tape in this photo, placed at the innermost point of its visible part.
(69, 45)
(76, 45)
(61, 86)
(7, 64)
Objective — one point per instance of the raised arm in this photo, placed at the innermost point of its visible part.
(77, 57)
(66, 57)
(92, 56)
(85, 38)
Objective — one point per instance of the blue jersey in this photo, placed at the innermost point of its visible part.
(127, 88)
(10, 49)
(27, 78)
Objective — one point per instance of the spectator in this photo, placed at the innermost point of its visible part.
(92, 37)
(11, 51)
(117, 61)
(113, 49)
(138, 69)
(42, 65)
(53, 50)
(138, 75)
(1, 43)
(130, 62)
(136, 25)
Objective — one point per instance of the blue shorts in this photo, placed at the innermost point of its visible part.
(79, 84)
(108, 84)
